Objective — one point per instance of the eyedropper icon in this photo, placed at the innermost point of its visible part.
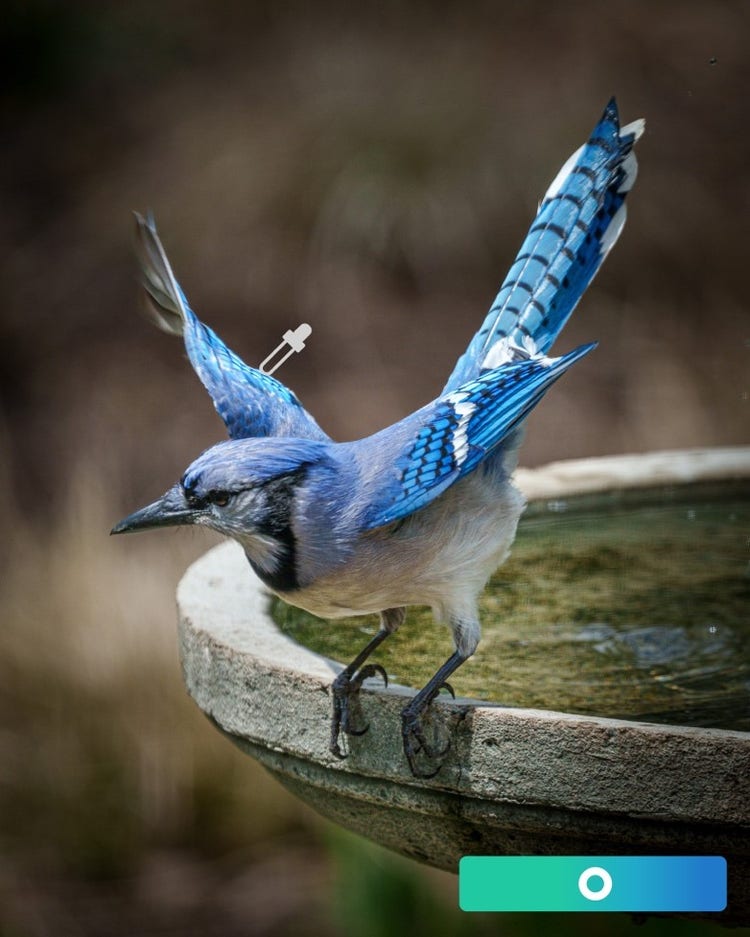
(294, 340)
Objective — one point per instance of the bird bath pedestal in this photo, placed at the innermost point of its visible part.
(515, 781)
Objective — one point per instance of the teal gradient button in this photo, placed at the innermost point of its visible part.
(592, 883)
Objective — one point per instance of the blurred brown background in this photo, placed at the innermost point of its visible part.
(372, 173)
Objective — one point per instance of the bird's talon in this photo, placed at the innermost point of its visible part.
(345, 688)
(426, 775)
(443, 751)
(349, 731)
(336, 751)
(369, 670)
(415, 743)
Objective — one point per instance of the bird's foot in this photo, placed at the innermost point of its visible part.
(345, 690)
(415, 740)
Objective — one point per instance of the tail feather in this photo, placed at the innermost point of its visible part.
(579, 220)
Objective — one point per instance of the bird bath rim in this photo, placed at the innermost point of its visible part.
(515, 780)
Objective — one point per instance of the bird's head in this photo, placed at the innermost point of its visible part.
(244, 489)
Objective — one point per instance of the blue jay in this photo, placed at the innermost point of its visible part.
(420, 513)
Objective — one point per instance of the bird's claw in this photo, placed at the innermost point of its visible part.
(415, 743)
(345, 689)
(369, 670)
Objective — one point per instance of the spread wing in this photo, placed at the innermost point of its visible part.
(451, 436)
(249, 402)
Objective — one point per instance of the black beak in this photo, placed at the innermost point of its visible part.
(171, 510)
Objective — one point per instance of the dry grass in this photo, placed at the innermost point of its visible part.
(107, 770)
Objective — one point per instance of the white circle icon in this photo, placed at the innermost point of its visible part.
(595, 872)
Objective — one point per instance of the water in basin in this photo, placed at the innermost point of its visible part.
(632, 604)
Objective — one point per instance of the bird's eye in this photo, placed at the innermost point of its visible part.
(220, 498)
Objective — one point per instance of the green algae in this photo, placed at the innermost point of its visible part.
(632, 604)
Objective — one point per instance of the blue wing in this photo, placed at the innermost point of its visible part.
(462, 428)
(249, 402)
(579, 220)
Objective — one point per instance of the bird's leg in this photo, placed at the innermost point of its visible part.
(347, 684)
(411, 717)
(464, 624)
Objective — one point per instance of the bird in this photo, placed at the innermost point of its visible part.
(423, 511)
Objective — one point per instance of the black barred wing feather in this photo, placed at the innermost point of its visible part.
(460, 429)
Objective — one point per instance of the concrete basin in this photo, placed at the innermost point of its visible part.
(515, 781)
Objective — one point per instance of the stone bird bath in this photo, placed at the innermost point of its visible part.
(515, 781)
